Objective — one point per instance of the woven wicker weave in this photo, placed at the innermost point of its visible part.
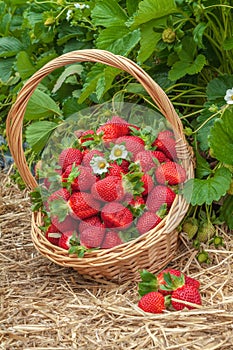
(154, 249)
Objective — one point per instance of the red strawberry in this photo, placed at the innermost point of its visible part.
(147, 221)
(145, 160)
(152, 302)
(165, 134)
(62, 193)
(108, 189)
(133, 144)
(92, 238)
(148, 184)
(83, 205)
(86, 136)
(92, 222)
(111, 239)
(79, 177)
(187, 279)
(167, 145)
(171, 173)
(158, 196)
(69, 156)
(185, 293)
(68, 224)
(89, 155)
(111, 131)
(52, 235)
(116, 215)
(160, 156)
(66, 238)
(115, 170)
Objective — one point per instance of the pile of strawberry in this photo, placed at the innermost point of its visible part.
(170, 289)
(115, 183)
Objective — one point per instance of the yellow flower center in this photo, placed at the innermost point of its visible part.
(101, 165)
(118, 152)
(231, 97)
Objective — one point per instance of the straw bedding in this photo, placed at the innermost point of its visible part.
(45, 306)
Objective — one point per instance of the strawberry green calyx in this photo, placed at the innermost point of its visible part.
(172, 282)
(148, 284)
(59, 208)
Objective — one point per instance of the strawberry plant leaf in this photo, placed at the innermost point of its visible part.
(24, 65)
(118, 39)
(6, 66)
(216, 88)
(108, 13)
(70, 70)
(10, 46)
(149, 9)
(226, 211)
(200, 191)
(181, 68)
(223, 130)
(132, 6)
(228, 44)
(149, 39)
(202, 166)
(38, 133)
(41, 105)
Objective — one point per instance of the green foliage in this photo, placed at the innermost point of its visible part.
(185, 46)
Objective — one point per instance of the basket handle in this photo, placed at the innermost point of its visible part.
(15, 116)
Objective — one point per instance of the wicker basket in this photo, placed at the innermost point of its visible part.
(154, 249)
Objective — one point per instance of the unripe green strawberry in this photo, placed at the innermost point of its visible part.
(205, 232)
(190, 226)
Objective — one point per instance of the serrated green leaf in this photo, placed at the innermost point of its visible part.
(181, 68)
(41, 105)
(24, 65)
(118, 40)
(108, 13)
(150, 9)
(202, 166)
(38, 133)
(10, 46)
(6, 68)
(226, 211)
(222, 131)
(70, 70)
(196, 66)
(198, 192)
(132, 6)
(99, 80)
(216, 88)
(228, 44)
(149, 39)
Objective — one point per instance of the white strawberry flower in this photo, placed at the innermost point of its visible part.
(99, 165)
(81, 6)
(68, 15)
(229, 96)
(118, 151)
